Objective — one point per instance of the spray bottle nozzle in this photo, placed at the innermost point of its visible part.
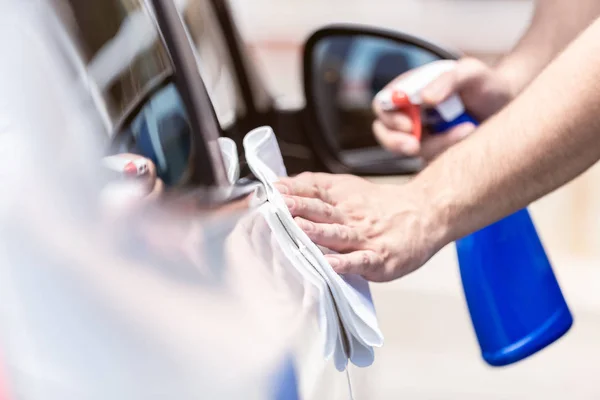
(400, 99)
(405, 95)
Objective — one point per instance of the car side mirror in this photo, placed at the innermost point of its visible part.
(344, 68)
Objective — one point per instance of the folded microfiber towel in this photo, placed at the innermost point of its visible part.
(346, 313)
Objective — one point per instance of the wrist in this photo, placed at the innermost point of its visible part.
(433, 209)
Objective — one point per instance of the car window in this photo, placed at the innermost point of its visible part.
(214, 59)
(125, 56)
(129, 68)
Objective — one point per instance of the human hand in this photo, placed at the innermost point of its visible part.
(141, 186)
(483, 90)
(382, 232)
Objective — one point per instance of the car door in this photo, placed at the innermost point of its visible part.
(136, 85)
(201, 97)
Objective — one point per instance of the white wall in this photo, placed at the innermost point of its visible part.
(276, 29)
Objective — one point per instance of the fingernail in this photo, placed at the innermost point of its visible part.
(282, 188)
(304, 225)
(289, 202)
(334, 262)
(409, 146)
(307, 227)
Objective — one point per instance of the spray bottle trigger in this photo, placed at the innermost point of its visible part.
(402, 102)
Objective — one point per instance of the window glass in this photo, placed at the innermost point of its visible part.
(124, 53)
(214, 59)
(128, 67)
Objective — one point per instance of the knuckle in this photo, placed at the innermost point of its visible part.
(316, 230)
(366, 259)
(352, 236)
(315, 191)
(341, 233)
(322, 194)
(383, 253)
(305, 175)
(328, 211)
(323, 180)
(343, 266)
(299, 205)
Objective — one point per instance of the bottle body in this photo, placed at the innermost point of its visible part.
(515, 302)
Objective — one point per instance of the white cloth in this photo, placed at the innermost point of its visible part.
(349, 326)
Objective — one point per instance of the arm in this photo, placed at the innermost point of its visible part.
(485, 89)
(555, 23)
(546, 137)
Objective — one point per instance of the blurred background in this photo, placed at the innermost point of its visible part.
(430, 350)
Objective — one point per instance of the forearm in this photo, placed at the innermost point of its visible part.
(546, 137)
(554, 25)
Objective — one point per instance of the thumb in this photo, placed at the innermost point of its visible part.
(437, 144)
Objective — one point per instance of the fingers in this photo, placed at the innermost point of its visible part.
(311, 185)
(437, 144)
(336, 237)
(468, 70)
(396, 141)
(363, 262)
(393, 119)
(394, 129)
(314, 210)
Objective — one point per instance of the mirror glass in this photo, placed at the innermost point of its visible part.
(347, 72)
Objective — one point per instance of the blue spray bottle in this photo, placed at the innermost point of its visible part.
(515, 302)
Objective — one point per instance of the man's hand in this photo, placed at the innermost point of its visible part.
(483, 90)
(380, 231)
